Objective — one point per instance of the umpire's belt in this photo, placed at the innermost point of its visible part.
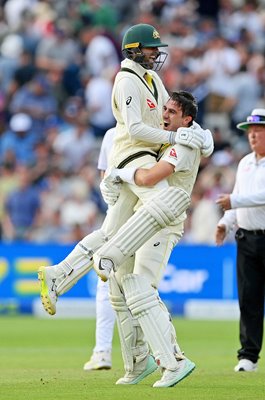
(257, 232)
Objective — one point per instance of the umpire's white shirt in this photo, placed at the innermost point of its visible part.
(248, 197)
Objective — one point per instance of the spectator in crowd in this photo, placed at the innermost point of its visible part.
(246, 19)
(13, 11)
(99, 50)
(99, 13)
(18, 141)
(24, 72)
(76, 146)
(77, 209)
(244, 93)
(37, 100)
(202, 228)
(221, 60)
(58, 51)
(8, 182)
(22, 208)
(245, 207)
(98, 101)
(10, 51)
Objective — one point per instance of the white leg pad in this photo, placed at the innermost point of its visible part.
(80, 261)
(153, 216)
(134, 348)
(144, 304)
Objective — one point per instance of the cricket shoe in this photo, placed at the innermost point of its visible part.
(141, 370)
(99, 360)
(103, 267)
(245, 365)
(49, 280)
(171, 378)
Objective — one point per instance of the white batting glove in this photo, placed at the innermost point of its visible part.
(110, 192)
(208, 146)
(196, 138)
(192, 137)
(110, 187)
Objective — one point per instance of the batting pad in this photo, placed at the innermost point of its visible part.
(133, 347)
(143, 302)
(79, 262)
(153, 216)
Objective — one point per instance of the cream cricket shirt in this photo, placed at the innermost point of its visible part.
(248, 197)
(138, 113)
(186, 163)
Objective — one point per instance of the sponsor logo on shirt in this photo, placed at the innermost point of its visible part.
(150, 104)
(173, 153)
(129, 99)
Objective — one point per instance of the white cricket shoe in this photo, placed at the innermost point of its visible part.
(245, 365)
(99, 360)
(141, 370)
(171, 378)
(49, 280)
(103, 267)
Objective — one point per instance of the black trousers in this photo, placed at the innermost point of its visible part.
(251, 291)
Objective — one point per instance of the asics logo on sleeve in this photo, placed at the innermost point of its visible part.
(129, 99)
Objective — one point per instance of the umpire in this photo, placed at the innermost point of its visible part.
(245, 207)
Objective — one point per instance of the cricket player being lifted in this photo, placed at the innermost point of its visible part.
(138, 107)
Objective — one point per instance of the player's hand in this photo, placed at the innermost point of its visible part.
(220, 234)
(196, 138)
(208, 143)
(192, 137)
(110, 187)
(224, 201)
(112, 175)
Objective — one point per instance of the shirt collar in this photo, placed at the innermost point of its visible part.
(135, 67)
(253, 160)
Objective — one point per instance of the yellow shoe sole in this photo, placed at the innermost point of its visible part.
(44, 293)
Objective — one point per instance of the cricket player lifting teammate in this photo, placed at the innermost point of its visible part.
(135, 288)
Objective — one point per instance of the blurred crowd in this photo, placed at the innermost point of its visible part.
(58, 60)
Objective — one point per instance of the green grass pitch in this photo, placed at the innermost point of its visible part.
(42, 359)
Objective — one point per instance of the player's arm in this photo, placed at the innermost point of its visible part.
(126, 96)
(140, 176)
(176, 158)
(150, 177)
(110, 186)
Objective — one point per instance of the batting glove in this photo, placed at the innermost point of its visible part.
(110, 187)
(192, 137)
(208, 145)
(196, 138)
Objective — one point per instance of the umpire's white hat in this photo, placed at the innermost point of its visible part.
(257, 117)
